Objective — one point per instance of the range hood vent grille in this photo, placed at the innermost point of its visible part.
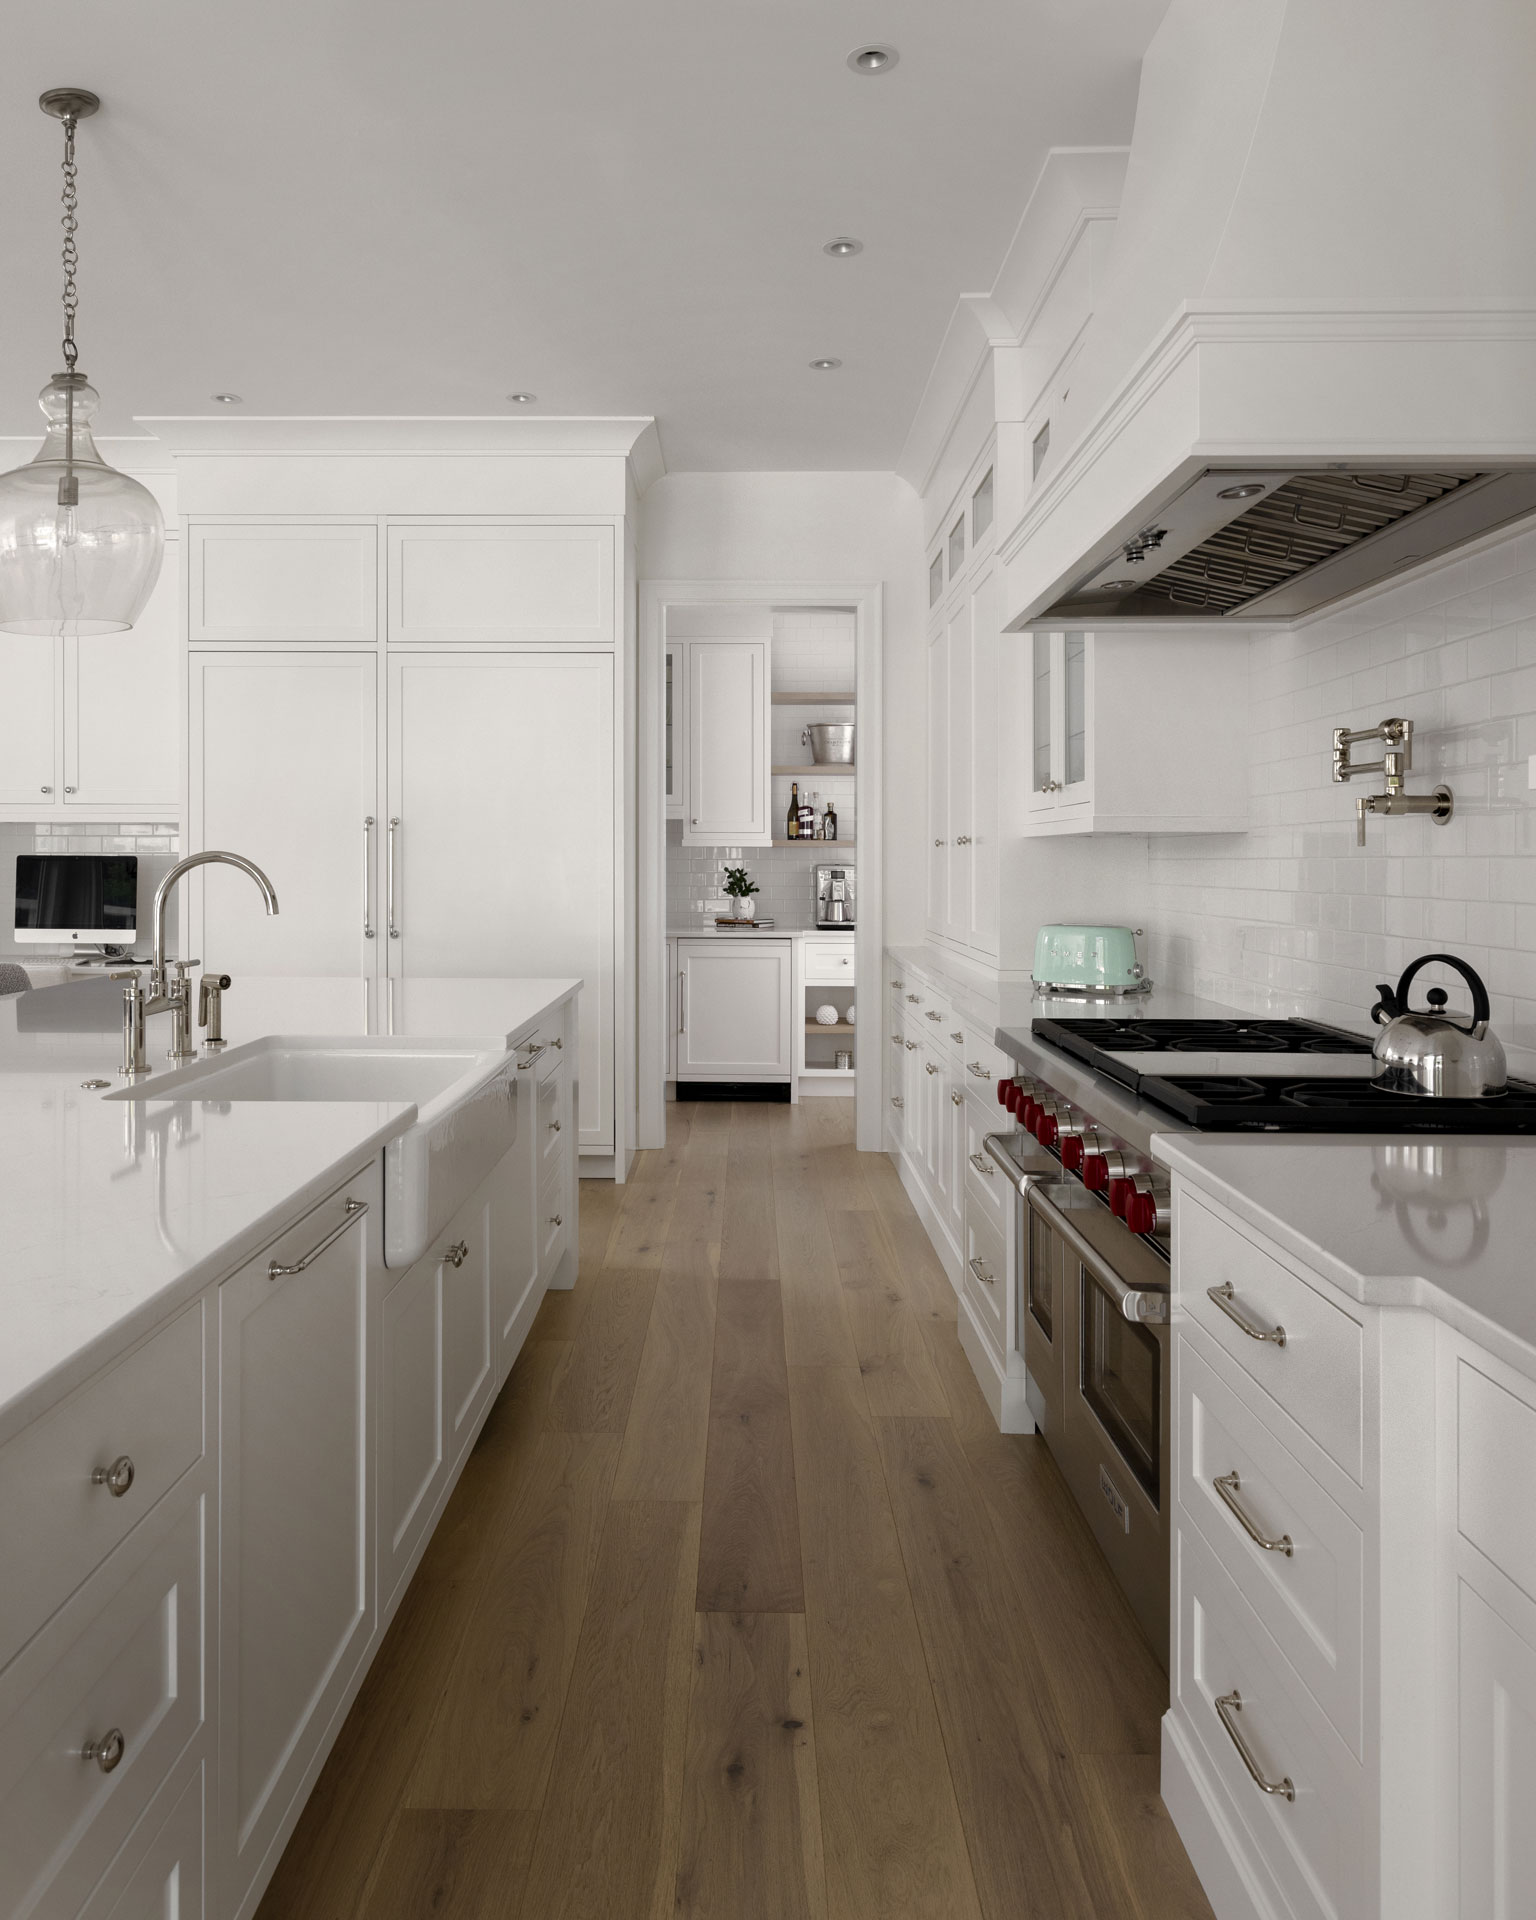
(1299, 525)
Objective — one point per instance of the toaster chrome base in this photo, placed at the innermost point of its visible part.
(1044, 988)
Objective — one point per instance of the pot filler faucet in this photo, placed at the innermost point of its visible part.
(165, 995)
(1396, 737)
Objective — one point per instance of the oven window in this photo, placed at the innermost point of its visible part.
(1042, 1254)
(1123, 1382)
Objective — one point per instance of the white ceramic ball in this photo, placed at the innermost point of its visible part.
(826, 1016)
(848, 1016)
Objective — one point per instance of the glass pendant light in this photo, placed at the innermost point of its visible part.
(80, 543)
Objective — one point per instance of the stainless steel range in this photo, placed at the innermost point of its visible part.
(1092, 1243)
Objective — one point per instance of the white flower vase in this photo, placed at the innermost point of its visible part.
(741, 906)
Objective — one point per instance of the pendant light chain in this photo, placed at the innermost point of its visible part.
(69, 223)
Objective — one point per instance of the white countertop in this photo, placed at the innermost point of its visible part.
(761, 933)
(113, 1213)
(1448, 1225)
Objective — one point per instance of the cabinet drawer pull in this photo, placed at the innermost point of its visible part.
(1227, 1706)
(1229, 1486)
(958, 1038)
(117, 1478)
(983, 1165)
(897, 1101)
(916, 999)
(980, 1272)
(962, 840)
(531, 1051)
(389, 876)
(1222, 1296)
(558, 1044)
(556, 1220)
(554, 1126)
(895, 1039)
(929, 1067)
(981, 1072)
(898, 984)
(368, 876)
(107, 1751)
(956, 1099)
(930, 1015)
(457, 1254)
(355, 1211)
(910, 1045)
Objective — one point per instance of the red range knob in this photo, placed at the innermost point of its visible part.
(1095, 1172)
(1005, 1094)
(1120, 1191)
(1140, 1211)
(1072, 1153)
(1016, 1098)
(1045, 1127)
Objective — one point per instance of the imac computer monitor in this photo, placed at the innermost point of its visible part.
(85, 899)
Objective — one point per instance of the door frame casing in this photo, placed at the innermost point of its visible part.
(866, 603)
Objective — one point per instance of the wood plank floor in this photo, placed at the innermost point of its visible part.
(743, 1609)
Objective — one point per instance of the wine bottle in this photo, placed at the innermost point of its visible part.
(829, 823)
(792, 825)
(807, 820)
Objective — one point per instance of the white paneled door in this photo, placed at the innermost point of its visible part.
(283, 768)
(726, 781)
(501, 791)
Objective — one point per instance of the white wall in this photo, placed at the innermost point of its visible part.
(845, 527)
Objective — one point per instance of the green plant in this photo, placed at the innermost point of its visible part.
(737, 885)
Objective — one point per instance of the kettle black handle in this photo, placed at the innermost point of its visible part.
(1480, 1008)
(1386, 1007)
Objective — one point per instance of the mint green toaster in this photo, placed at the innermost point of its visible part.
(1088, 960)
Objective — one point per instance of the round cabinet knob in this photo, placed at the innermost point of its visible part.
(956, 1099)
(457, 1254)
(47, 789)
(555, 1220)
(554, 1126)
(938, 843)
(71, 789)
(107, 1751)
(117, 1479)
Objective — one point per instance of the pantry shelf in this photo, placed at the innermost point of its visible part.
(829, 769)
(814, 700)
(842, 846)
(821, 1026)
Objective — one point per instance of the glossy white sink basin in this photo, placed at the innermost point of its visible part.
(464, 1092)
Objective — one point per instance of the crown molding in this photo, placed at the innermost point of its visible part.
(244, 435)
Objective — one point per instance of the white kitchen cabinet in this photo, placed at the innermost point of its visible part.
(938, 778)
(501, 805)
(296, 1564)
(1135, 733)
(966, 716)
(1496, 1778)
(165, 1881)
(411, 1460)
(285, 582)
(537, 583)
(727, 779)
(95, 723)
(734, 1006)
(676, 720)
(283, 768)
(469, 1348)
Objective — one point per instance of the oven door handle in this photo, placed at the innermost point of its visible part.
(995, 1147)
(1148, 1307)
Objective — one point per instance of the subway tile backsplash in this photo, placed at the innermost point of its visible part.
(1292, 916)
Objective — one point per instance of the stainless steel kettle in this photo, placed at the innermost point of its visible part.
(1430, 1053)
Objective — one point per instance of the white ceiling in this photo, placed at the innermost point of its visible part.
(388, 206)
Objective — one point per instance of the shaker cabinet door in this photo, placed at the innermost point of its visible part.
(734, 1010)
(122, 707)
(727, 771)
(30, 698)
(533, 584)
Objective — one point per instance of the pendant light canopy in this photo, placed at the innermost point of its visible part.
(80, 543)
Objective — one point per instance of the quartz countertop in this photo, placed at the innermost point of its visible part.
(1447, 1224)
(760, 933)
(114, 1213)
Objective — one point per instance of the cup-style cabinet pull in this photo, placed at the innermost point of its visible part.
(1228, 1707)
(1229, 1486)
(457, 1254)
(107, 1751)
(117, 1478)
(1222, 1296)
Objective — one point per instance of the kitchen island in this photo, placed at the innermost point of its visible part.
(228, 1425)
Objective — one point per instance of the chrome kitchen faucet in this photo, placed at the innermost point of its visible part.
(175, 996)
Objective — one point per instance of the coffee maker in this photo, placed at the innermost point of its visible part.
(834, 896)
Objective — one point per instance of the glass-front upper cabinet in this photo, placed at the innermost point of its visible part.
(936, 578)
(1059, 722)
(981, 508)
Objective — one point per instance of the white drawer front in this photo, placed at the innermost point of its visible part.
(1315, 1847)
(552, 1123)
(1317, 1373)
(553, 1208)
(1308, 1588)
(828, 963)
(166, 1883)
(993, 1063)
(986, 1274)
(126, 1661)
(987, 1188)
(1495, 1442)
(149, 1408)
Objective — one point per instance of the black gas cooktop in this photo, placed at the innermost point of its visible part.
(1101, 1044)
(1226, 1103)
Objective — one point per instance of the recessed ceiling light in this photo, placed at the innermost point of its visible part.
(873, 59)
(1244, 492)
(825, 366)
(842, 248)
(522, 399)
(229, 399)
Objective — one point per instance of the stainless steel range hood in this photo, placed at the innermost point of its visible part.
(1273, 545)
(1311, 362)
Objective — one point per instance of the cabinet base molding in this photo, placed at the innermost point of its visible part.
(1003, 1392)
(1214, 1847)
(776, 1092)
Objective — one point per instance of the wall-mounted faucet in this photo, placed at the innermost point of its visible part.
(174, 997)
(1396, 737)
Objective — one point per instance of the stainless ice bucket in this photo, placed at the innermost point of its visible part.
(830, 742)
